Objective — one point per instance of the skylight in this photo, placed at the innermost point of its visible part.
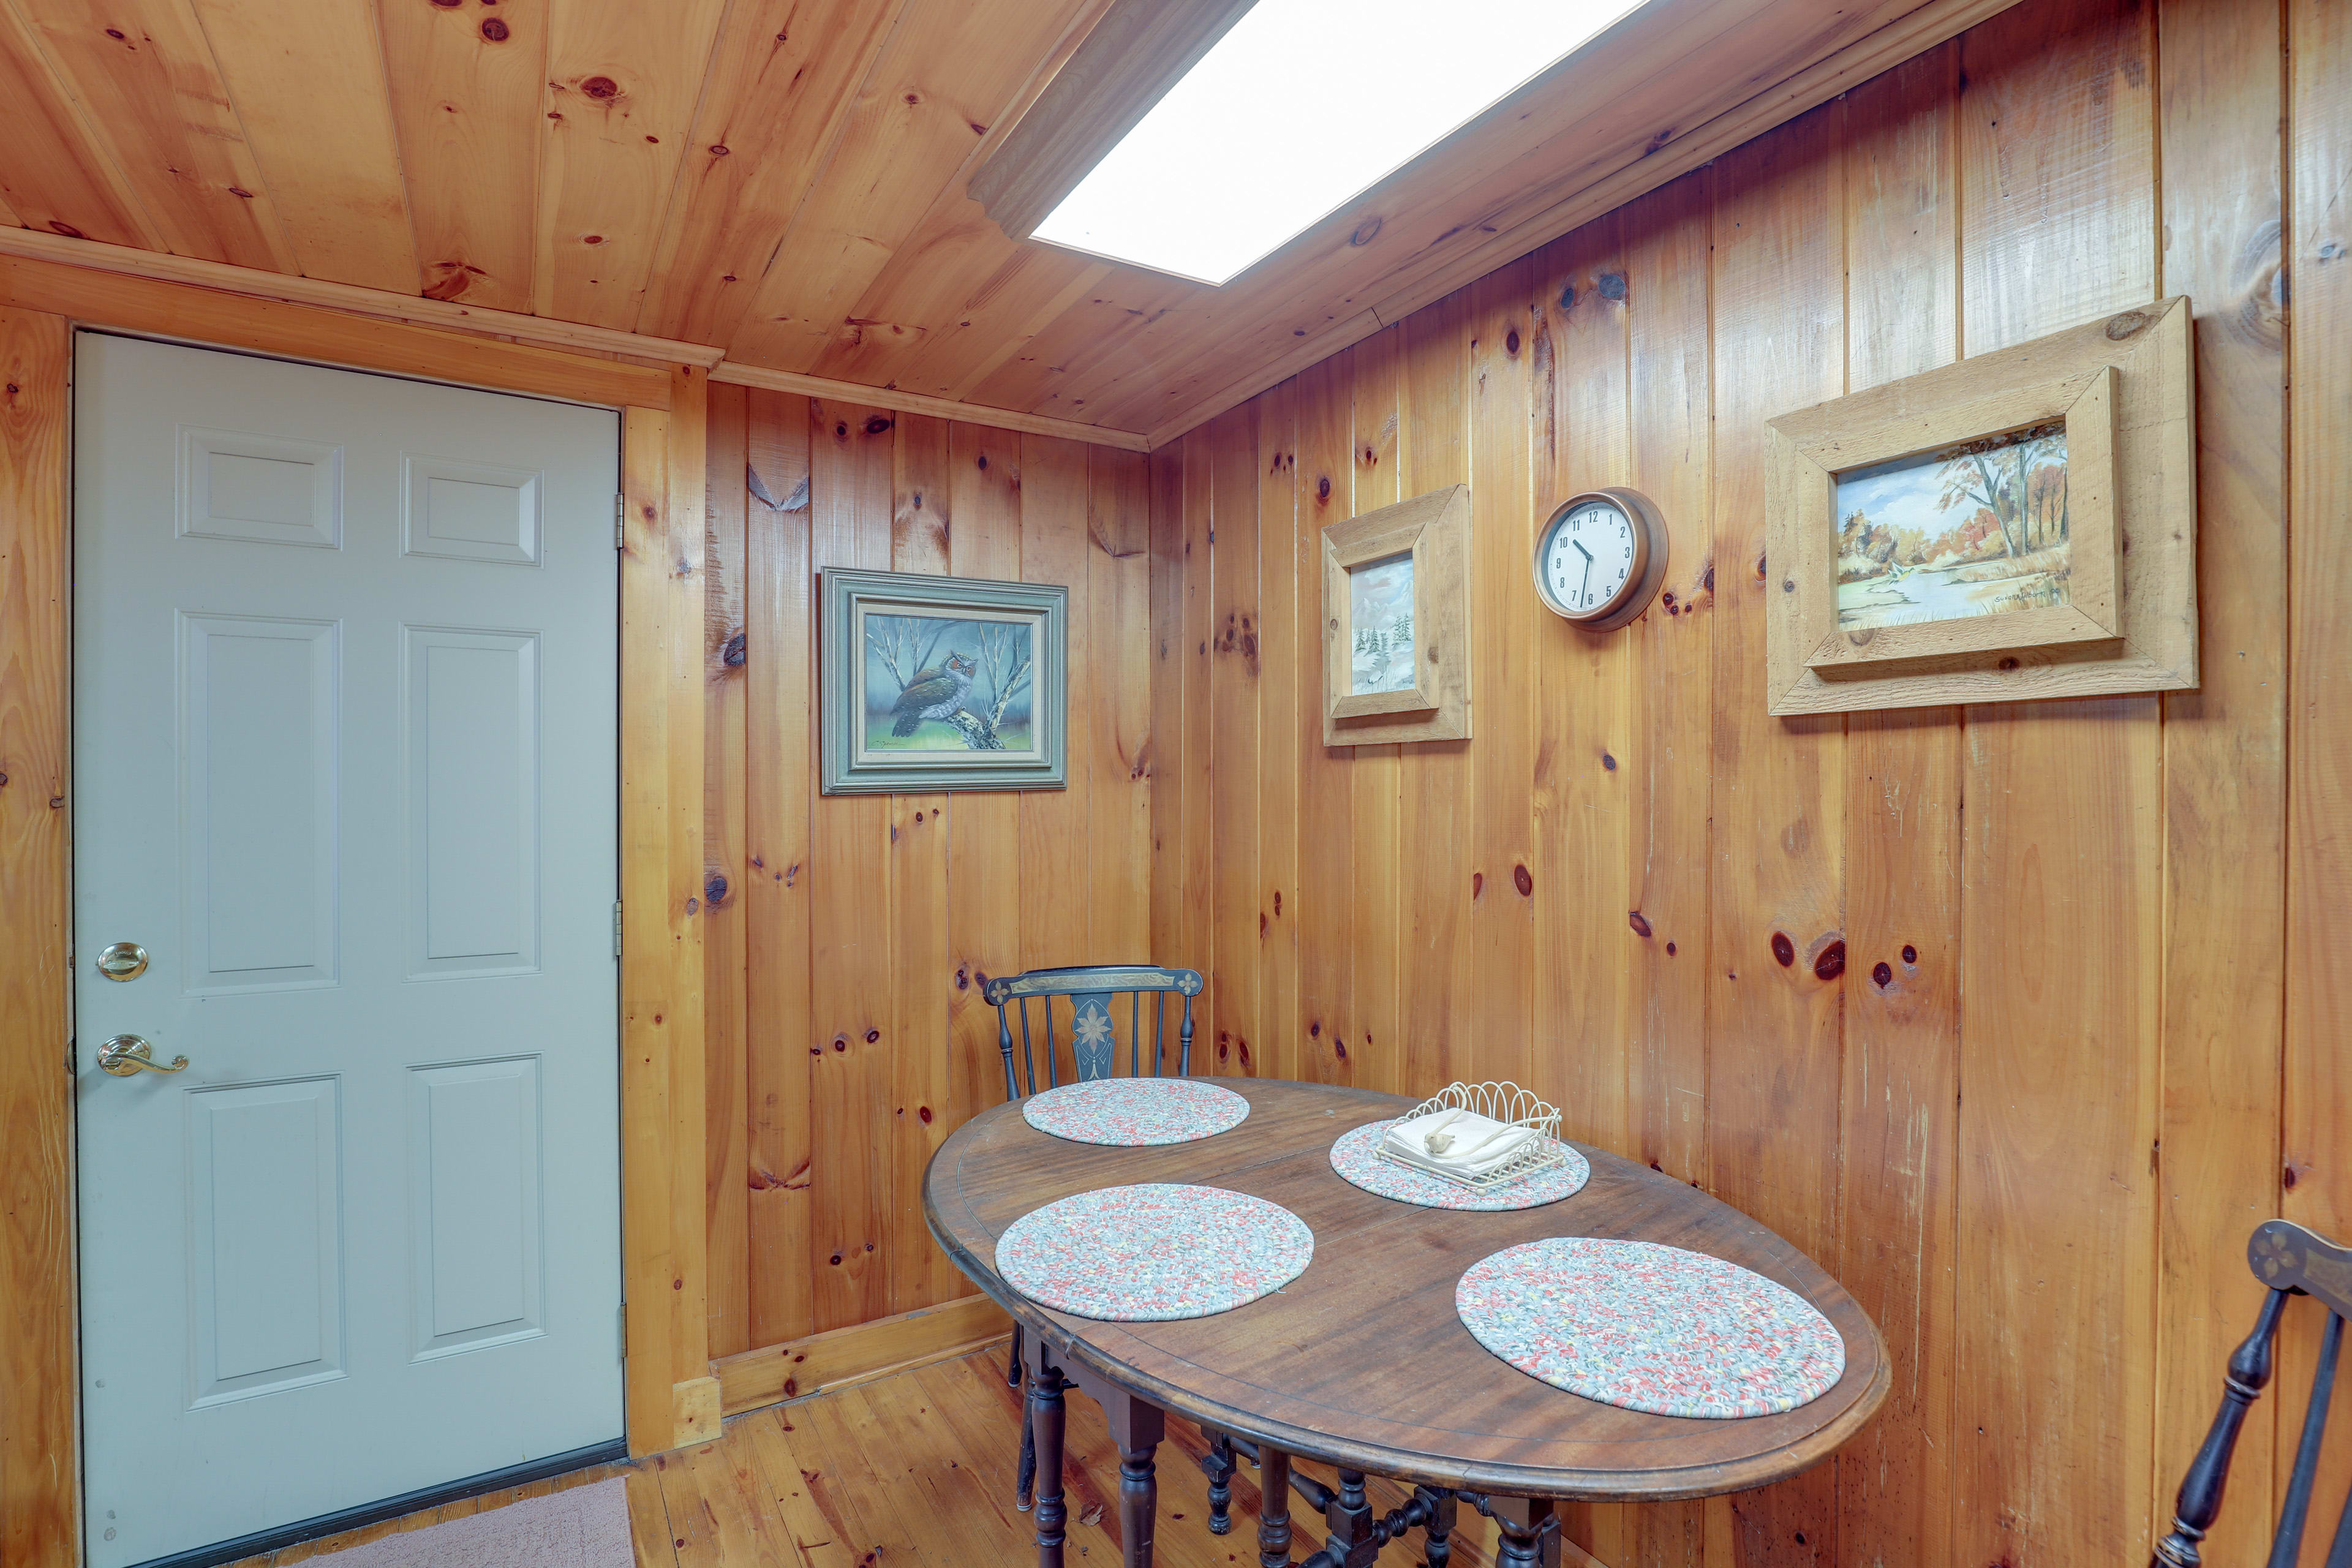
(1301, 106)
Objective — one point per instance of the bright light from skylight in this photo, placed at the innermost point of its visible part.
(1302, 105)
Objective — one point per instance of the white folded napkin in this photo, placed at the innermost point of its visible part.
(1465, 1144)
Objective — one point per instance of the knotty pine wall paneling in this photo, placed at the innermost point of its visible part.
(1437, 803)
(1777, 944)
(1899, 1099)
(1497, 1005)
(1375, 394)
(918, 848)
(2318, 1110)
(1237, 900)
(726, 1004)
(779, 726)
(2016, 1016)
(2221, 95)
(848, 937)
(2061, 838)
(1321, 493)
(40, 1380)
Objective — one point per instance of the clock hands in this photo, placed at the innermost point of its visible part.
(1585, 592)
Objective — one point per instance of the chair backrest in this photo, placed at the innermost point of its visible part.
(1091, 1021)
(2292, 1261)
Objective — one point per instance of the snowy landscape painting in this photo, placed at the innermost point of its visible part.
(1380, 613)
(1979, 529)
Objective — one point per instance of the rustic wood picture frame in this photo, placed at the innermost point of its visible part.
(1435, 530)
(2123, 388)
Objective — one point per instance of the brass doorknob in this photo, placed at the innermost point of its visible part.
(122, 961)
(128, 1056)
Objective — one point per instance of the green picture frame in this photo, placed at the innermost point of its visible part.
(929, 684)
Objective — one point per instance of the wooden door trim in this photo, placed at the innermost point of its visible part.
(210, 318)
(673, 1399)
(40, 1374)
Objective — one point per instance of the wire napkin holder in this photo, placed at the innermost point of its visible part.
(1505, 1102)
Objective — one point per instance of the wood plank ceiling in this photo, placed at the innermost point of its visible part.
(784, 180)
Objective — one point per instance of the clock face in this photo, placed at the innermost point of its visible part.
(1590, 559)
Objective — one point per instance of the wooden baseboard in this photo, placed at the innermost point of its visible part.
(694, 1411)
(841, 1356)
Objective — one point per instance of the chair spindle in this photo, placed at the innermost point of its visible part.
(2287, 1545)
(1004, 1045)
(1028, 1055)
(2200, 1501)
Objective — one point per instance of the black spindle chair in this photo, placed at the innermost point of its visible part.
(2292, 1261)
(1088, 1030)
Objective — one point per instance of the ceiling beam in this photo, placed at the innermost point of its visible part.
(899, 402)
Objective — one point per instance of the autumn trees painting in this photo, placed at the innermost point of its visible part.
(1975, 528)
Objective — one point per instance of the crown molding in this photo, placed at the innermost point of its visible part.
(414, 311)
(513, 326)
(922, 403)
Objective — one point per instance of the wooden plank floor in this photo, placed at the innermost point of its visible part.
(912, 1468)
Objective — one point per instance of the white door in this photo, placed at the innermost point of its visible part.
(345, 705)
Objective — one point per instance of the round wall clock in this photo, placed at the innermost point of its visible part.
(1600, 558)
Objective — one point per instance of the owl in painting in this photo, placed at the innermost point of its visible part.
(932, 694)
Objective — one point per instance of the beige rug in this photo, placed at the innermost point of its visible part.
(587, 1527)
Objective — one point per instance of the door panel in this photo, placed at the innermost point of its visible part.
(266, 1296)
(469, 511)
(268, 490)
(472, 741)
(346, 720)
(476, 1215)
(258, 714)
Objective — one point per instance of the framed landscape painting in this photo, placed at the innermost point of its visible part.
(1396, 616)
(2019, 524)
(942, 683)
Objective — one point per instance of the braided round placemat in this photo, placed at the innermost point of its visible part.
(1154, 1252)
(1357, 1157)
(1651, 1328)
(1135, 1111)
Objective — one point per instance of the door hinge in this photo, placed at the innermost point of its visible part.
(622, 1323)
(73, 1063)
(620, 522)
(616, 928)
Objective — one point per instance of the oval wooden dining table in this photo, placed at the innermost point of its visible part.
(1362, 1363)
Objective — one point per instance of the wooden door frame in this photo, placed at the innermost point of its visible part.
(672, 1398)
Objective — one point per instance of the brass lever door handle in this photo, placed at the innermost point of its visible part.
(127, 1056)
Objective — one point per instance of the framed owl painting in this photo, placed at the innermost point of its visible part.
(942, 683)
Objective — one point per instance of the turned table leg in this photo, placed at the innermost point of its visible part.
(1274, 1506)
(1438, 1528)
(1138, 1427)
(1531, 1533)
(1045, 1415)
(1217, 1464)
(1016, 1374)
(1138, 1503)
